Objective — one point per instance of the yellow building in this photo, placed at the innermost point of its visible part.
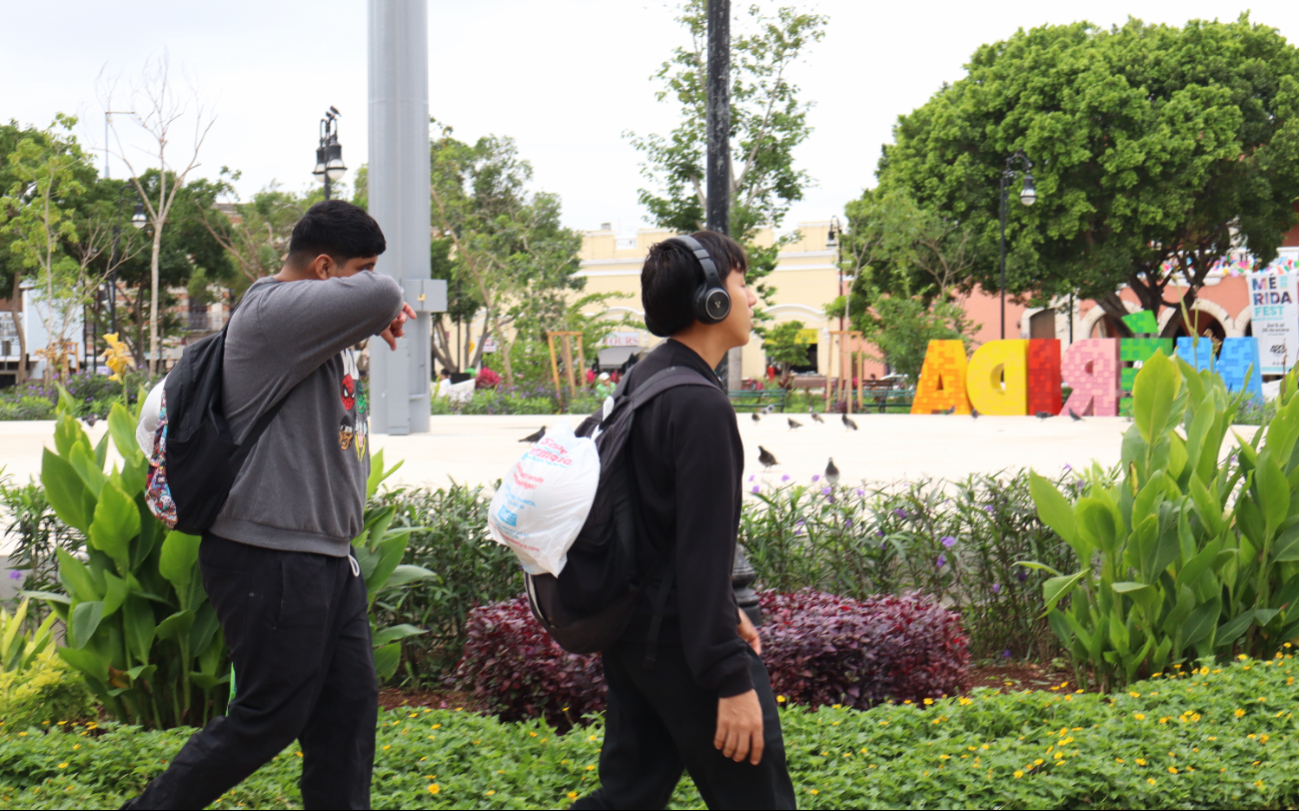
(805, 281)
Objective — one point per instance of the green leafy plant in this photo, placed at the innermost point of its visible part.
(140, 628)
(17, 649)
(379, 550)
(46, 690)
(1187, 556)
(1200, 739)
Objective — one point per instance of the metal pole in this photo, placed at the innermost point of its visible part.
(718, 207)
(399, 199)
(1003, 256)
(326, 185)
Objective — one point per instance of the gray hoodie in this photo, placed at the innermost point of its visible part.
(303, 487)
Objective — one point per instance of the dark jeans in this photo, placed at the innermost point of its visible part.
(661, 722)
(299, 635)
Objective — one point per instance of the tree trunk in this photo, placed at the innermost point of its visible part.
(21, 376)
(1114, 308)
(153, 298)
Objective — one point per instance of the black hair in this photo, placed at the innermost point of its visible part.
(671, 275)
(337, 228)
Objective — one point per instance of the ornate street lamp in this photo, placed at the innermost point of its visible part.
(1028, 196)
(329, 155)
(834, 239)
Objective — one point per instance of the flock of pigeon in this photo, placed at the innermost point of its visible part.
(768, 459)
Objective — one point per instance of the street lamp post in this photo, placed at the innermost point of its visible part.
(835, 240)
(138, 221)
(1028, 196)
(329, 155)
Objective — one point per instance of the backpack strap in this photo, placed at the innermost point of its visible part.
(660, 605)
(263, 422)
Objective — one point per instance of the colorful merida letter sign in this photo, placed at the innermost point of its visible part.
(1018, 377)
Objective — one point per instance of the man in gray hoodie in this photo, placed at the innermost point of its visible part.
(277, 563)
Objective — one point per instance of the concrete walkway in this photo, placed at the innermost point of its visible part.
(886, 448)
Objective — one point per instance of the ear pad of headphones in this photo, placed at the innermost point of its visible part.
(711, 303)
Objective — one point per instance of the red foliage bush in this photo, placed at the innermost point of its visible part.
(818, 648)
(516, 671)
(487, 379)
(823, 649)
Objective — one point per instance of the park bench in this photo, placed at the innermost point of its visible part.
(748, 400)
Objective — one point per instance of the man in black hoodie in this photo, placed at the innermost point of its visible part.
(705, 705)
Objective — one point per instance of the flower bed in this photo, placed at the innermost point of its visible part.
(1216, 737)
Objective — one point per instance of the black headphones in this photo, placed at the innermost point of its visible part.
(711, 303)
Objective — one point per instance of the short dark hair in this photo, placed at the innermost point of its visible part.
(337, 228)
(671, 275)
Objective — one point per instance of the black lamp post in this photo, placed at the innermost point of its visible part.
(138, 220)
(835, 240)
(329, 155)
(1028, 196)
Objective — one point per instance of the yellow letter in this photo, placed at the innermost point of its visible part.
(987, 367)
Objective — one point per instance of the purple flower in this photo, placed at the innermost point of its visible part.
(941, 562)
(861, 492)
(816, 477)
(900, 513)
(1067, 467)
(847, 522)
(825, 491)
(1005, 654)
(1022, 575)
(757, 489)
(751, 478)
(996, 588)
(785, 478)
(989, 510)
(800, 522)
(15, 575)
(879, 533)
(948, 541)
(798, 531)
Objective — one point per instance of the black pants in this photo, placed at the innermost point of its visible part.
(299, 635)
(661, 722)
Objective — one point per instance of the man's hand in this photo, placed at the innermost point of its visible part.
(397, 328)
(739, 727)
(748, 633)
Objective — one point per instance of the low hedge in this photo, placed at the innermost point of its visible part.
(820, 649)
(1218, 737)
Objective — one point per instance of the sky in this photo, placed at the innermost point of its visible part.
(564, 78)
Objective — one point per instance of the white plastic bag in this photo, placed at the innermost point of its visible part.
(543, 501)
(148, 424)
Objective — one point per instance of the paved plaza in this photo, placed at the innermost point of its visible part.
(885, 448)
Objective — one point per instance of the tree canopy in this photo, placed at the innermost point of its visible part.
(1156, 149)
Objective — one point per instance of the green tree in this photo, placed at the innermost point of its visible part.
(256, 240)
(1156, 150)
(783, 347)
(768, 122)
(508, 252)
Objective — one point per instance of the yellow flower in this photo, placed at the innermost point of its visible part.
(964, 702)
(1038, 762)
(63, 765)
(1119, 760)
(929, 701)
(1150, 780)
(437, 726)
(1134, 694)
(1018, 774)
(780, 699)
(1141, 761)
(1058, 755)
(1172, 770)
(490, 793)
(590, 768)
(1242, 657)
(387, 747)
(813, 791)
(944, 757)
(572, 795)
(434, 788)
(1239, 712)
(1140, 716)
(532, 734)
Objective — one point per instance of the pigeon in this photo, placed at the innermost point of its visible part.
(815, 416)
(832, 472)
(771, 409)
(1042, 415)
(848, 423)
(1073, 416)
(765, 457)
(974, 412)
(756, 418)
(951, 410)
(90, 419)
(535, 437)
(793, 423)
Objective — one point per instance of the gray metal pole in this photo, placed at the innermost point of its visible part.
(399, 200)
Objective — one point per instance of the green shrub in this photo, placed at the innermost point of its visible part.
(26, 407)
(47, 691)
(1188, 556)
(450, 538)
(1048, 749)
(140, 628)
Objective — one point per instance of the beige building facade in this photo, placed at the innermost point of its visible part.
(805, 280)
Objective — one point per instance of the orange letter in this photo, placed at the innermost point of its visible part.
(942, 380)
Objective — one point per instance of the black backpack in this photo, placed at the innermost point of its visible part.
(588, 606)
(202, 458)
